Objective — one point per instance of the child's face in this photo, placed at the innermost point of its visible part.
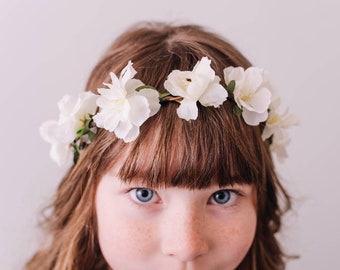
(174, 228)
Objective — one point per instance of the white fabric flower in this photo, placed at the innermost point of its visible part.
(277, 122)
(251, 92)
(123, 109)
(201, 84)
(276, 126)
(74, 111)
(279, 144)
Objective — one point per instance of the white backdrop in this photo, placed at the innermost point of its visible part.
(47, 49)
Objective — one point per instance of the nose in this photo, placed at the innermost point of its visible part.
(184, 236)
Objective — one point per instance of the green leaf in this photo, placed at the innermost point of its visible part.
(75, 157)
(145, 87)
(237, 110)
(163, 95)
(80, 132)
(91, 135)
(231, 87)
(76, 152)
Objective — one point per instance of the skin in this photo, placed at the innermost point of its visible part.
(177, 228)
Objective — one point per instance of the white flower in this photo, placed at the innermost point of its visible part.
(123, 109)
(201, 84)
(277, 122)
(74, 111)
(276, 126)
(251, 92)
(279, 144)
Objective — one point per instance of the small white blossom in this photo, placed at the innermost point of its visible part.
(251, 92)
(201, 84)
(276, 121)
(279, 144)
(276, 126)
(74, 111)
(123, 109)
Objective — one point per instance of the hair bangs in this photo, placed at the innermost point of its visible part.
(172, 152)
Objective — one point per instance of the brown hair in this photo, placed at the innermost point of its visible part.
(168, 152)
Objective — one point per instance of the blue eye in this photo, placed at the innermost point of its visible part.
(142, 195)
(222, 196)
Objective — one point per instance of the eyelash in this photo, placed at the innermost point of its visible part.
(232, 193)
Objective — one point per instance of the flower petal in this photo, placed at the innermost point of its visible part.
(88, 102)
(132, 85)
(153, 99)
(202, 76)
(132, 134)
(259, 102)
(203, 68)
(48, 131)
(215, 95)
(234, 73)
(196, 87)
(68, 106)
(104, 102)
(253, 78)
(67, 131)
(59, 153)
(254, 118)
(279, 144)
(177, 82)
(139, 109)
(115, 90)
(107, 119)
(267, 132)
(127, 74)
(123, 129)
(187, 109)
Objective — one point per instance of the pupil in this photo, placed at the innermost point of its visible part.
(144, 193)
(220, 196)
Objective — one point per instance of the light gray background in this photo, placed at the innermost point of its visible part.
(49, 47)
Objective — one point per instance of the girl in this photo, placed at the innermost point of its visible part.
(172, 160)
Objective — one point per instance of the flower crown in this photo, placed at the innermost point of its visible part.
(127, 103)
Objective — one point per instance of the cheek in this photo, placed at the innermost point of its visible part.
(121, 239)
(236, 237)
(241, 235)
